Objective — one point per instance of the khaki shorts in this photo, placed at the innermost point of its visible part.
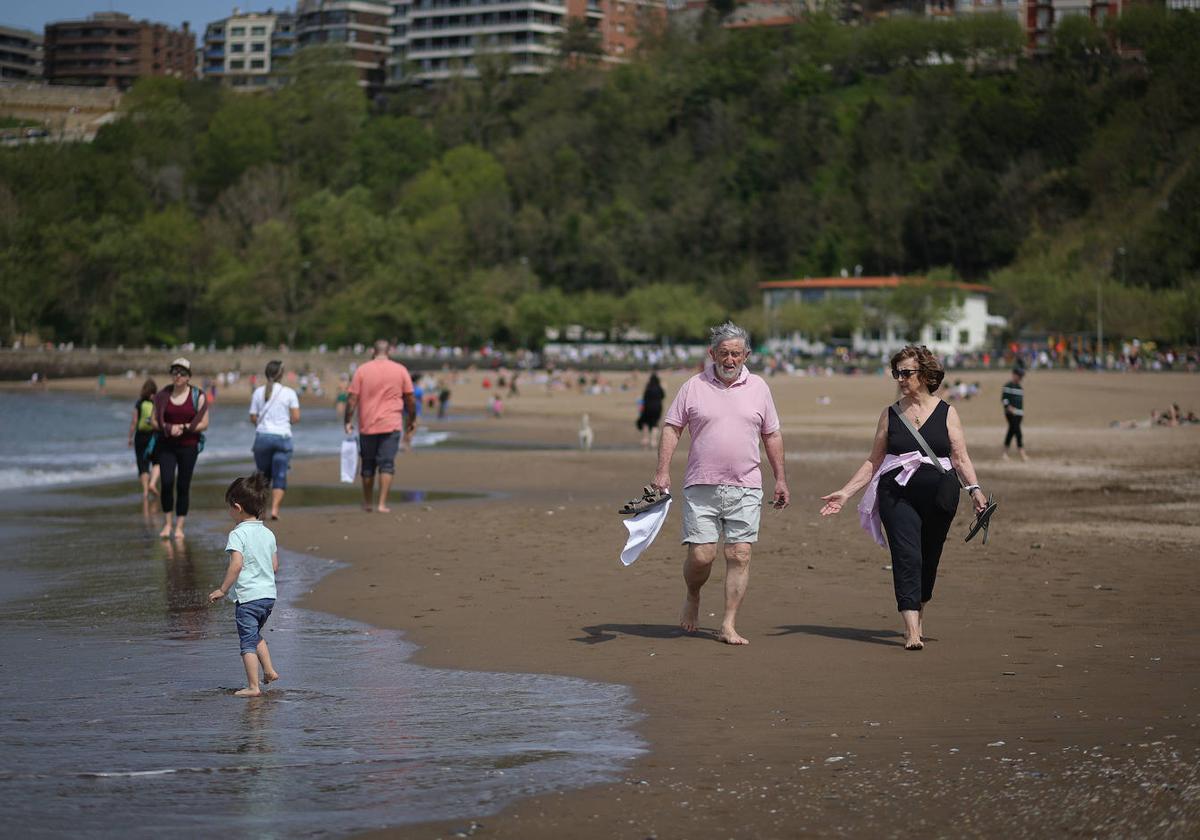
(710, 510)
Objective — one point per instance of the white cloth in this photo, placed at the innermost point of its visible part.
(643, 528)
(277, 419)
(349, 460)
(868, 508)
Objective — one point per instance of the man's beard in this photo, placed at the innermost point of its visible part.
(729, 376)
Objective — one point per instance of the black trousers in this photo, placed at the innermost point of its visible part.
(1014, 431)
(916, 532)
(176, 491)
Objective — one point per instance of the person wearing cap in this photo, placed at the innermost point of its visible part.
(1012, 396)
(180, 418)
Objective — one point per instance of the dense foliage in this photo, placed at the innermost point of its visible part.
(656, 194)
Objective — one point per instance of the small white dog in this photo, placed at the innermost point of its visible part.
(586, 435)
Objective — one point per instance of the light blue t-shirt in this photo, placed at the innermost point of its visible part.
(257, 545)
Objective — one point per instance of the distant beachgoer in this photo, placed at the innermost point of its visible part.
(513, 391)
(141, 432)
(1012, 396)
(496, 407)
(382, 394)
(101, 383)
(419, 408)
(180, 418)
(902, 483)
(274, 407)
(651, 413)
(443, 403)
(727, 410)
(250, 578)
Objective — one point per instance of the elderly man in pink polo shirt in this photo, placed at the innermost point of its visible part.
(382, 394)
(727, 410)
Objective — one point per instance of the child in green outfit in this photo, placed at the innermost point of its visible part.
(253, 563)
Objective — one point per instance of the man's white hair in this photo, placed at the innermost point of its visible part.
(727, 332)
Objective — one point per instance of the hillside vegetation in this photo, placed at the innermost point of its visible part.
(655, 194)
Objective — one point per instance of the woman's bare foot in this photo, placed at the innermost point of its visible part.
(384, 509)
(248, 692)
(165, 533)
(690, 615)
(730, 637)
(178, 533)
(271, 677)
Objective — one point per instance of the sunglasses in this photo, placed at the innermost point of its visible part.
(180, 372)
(904, 374)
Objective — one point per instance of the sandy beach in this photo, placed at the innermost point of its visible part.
(1059, 695)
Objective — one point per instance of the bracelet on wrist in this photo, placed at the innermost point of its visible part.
(971, 487)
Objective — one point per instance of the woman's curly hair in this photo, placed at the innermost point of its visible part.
(931, 372)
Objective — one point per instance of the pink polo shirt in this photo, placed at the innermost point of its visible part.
(726, 424)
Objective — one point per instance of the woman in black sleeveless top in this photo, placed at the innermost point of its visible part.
(916, 526)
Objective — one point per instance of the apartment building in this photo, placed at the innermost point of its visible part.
(361, 26)
(109, 49)
(248, 51)
(20, 55)
(436, 39)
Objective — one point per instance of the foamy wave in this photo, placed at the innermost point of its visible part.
(12, 478)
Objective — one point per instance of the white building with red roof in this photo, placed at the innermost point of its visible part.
(963, 323)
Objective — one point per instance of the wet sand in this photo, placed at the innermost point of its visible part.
(1059, 694)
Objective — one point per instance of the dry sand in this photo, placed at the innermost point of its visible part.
(1059, 695)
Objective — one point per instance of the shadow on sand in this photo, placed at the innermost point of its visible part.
(853, 634)
(607, 632)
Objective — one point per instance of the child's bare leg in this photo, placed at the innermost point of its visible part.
(264, 656)
(250, 660)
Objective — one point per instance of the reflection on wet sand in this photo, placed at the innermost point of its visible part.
(187, 611)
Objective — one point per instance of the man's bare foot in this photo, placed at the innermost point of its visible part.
(165, 533)
(384, 509)
(914, 644)
(730, 637)
(368, 509)
(248, 692)
(690, 615)
(271, 677)
(178, 534)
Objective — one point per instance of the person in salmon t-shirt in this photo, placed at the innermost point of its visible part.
(381, 393)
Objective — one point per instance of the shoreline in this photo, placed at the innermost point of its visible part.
(1046, 649)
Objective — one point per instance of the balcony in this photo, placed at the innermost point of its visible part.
(214, 54)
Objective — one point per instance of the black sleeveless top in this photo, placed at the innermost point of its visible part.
(901, 440)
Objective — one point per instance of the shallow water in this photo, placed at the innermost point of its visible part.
(119, 719)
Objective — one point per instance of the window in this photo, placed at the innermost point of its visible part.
(258, 30)
(940, 334)
(258, 46)
(237, 64)
(964, 337)
(237, 30)
(237, 48)
(258, 64)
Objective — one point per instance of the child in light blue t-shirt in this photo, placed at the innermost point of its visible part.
(253, 562)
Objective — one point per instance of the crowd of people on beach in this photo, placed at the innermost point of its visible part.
(913, 476)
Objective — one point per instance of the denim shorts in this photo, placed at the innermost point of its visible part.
(250, 618)
(710, 510)
(378, 452)
(273, 457)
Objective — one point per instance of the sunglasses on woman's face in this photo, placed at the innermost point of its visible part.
(180, 372)
(903, 374)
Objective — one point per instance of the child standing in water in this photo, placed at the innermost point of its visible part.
(253, 562)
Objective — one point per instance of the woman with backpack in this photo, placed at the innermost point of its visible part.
(180, 418)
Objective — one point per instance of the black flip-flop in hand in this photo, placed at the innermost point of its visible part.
(982, 520)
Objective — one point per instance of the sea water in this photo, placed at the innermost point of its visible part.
(117, 706)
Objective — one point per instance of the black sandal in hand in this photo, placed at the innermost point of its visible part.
(982, 520)
(651, 497)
